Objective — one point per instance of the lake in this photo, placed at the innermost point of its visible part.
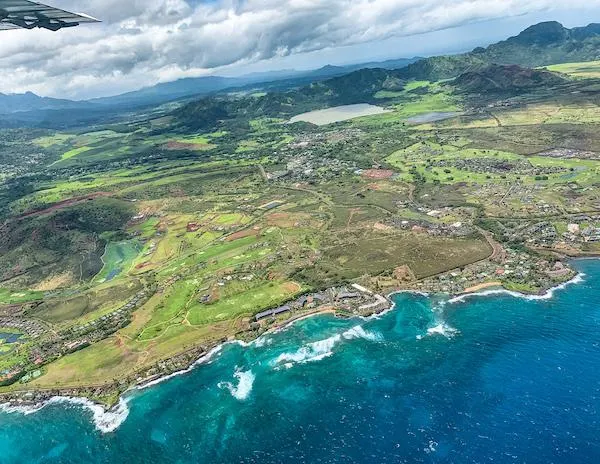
(338, 113)
(432, 117)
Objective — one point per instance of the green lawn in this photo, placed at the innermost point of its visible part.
(585, 70)
(50, 140)
(8, 296)
(247, 303)
(74, 152)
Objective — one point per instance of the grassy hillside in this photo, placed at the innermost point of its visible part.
(60, 247)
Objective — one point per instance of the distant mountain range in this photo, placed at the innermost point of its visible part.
(539, 45)
(30, 101)
(506, 65)
(188, 87)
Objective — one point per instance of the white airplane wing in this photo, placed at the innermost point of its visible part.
(24, 14)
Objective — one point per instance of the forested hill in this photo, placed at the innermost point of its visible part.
(539, 45)
(501, 78)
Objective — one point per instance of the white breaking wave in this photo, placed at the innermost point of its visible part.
(204, 359)
(316, 351)
(443, 329)
(546, 296)
(359, 332)
(259, 342)
(242, 390)
(262, 341)
(312, 352)
(105, 421)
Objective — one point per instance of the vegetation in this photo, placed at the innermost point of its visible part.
(124, 245)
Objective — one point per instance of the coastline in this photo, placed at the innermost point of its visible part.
(544, 295)
(107, 418)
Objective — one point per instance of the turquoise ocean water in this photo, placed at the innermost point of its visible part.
(488, 379)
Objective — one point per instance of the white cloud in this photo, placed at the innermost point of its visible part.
(143, 41)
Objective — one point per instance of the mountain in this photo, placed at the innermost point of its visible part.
(502, 67)
(188, 87)
(387, 64)
(354, 86)
(166, 91)
(500, 78)
(539, 45)
(17, 103)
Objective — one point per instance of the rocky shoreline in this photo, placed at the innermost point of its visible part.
(108, 395)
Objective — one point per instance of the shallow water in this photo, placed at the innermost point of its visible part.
(431, 117)
(10, 337)
(490, 378)
(338, 113)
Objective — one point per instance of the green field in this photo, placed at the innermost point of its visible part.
(246, 303)
(9, 296)
(215, 209)
(586, 70)
(74, 152)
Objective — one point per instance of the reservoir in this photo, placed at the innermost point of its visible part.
(338, 113)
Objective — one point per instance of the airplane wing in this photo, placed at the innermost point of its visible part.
(24, 14)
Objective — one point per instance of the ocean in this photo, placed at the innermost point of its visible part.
(489, 378)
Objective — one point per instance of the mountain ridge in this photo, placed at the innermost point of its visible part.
(541, 44)
(187, 87)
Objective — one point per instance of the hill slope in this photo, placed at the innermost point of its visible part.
(500, 78)
(14, 103)
(539, 45)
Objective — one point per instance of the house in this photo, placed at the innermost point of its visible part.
(347, 295)
(193, 227)
(272, 312)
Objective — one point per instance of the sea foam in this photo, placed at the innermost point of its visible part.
(442, 329)
(359, 332)
(321, 349)
(242, 390)
(105, 421)
(314, 351)
(202, 360)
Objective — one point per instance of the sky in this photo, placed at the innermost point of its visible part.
(142, 42)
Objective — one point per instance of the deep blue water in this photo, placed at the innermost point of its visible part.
(498, 379)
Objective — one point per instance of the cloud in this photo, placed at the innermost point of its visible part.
(143, 41)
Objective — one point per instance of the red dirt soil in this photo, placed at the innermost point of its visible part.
(64, 204)
(186, 146)
(377, 173)
(242, 234)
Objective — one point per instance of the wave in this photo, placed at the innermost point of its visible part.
(259, 342)
(312, 352)
(262, 341)
(443, 329)
(242, 390)
(106, 421)
(316, 351)
(359, 332)
(579, 278)
(202, 360)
